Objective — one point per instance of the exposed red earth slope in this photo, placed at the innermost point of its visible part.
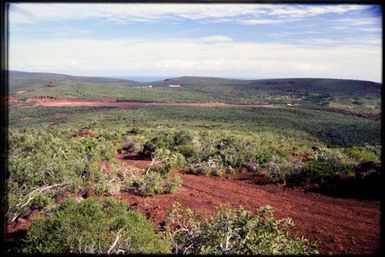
(110, 102)
(340, 226)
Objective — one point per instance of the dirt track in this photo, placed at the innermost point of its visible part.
(338, 225)
(72, 102)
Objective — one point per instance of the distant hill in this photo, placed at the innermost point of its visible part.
(289, 85)
(42, 75)
(23, 80)
(351, 95)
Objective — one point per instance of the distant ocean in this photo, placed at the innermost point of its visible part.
(141, 78)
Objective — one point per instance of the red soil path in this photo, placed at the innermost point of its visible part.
(340, 226)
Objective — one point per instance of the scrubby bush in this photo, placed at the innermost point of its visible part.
(327, 164)
(92, 227)
(179, 141)
(152, 183)
(173, 159)
(198, 168)
(234, 232)
(365, 153)
(44, 162)
(183, 137)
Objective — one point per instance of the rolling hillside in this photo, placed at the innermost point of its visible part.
(352, 95)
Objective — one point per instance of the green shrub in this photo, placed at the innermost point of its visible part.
(327, 164)
(153, 183)
(198, 168)
(173, 159)
(365, 153)
(44, 162)
(183, 137)
(92, 227)
(42, 201)
(234, 232)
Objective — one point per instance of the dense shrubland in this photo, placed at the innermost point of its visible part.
(44, 163)
(332, 129)
(219, 152)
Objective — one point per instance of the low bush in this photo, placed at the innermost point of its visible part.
(92, 227)
(153, 183)
(327, 164)
(234, 232)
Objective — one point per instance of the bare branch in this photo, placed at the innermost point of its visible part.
(65, 156)
(154, 162)
(32, 195)
(118, 235)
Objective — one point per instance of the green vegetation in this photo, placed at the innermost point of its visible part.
(334, 129)
(234, 232)
(92, 227)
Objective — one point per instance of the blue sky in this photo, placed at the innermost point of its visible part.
(222, 40)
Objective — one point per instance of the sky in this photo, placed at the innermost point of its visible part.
(215, 40)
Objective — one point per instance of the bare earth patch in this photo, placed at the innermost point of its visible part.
(72, 102)
(340, 226)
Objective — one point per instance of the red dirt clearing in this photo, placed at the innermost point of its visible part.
(73, 102)
(340, 226)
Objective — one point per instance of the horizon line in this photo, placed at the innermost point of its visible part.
(196, 76)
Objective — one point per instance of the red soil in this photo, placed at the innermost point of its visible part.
(87, 133)
(340, 226)
(47, 101)
(110, 102)
(11, 99)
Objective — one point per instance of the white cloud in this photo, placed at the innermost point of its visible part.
(248, 14)
(306, 11)
(221, 57)
(216, 39)
(262, 21)
(358, 22)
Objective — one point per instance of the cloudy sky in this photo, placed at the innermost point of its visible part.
(222, 40)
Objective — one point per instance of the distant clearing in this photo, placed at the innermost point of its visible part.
(68, 102)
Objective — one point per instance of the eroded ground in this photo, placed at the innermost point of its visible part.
(338, 225)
